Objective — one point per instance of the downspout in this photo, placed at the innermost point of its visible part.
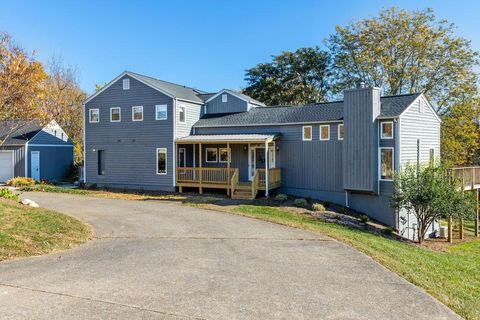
(266, 169)
(84, 145)
(398, 162)
(174, 162)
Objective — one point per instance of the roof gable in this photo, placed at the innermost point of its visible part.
(19, 132)
(239, 95)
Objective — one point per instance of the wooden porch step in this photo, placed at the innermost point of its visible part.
(242, 194)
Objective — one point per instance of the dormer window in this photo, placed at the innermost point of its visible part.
(224, 97)
(126, 84)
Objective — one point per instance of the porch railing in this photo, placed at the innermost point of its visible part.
(255, 184)
(469, 176)
(274, 177)
(205, 175)
(234, 181)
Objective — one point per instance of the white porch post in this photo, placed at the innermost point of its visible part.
(266, 168)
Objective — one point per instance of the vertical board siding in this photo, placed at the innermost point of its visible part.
(232, 105)
(18, 159)
(130, 146)
(416, 125)
(360, 109)
(314, 165)
(55, 162)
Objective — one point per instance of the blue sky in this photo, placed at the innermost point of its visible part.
(204, 44)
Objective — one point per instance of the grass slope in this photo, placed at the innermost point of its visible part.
(26, 231)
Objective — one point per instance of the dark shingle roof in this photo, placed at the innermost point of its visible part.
(17, 132)
(177, 90)
(391, 106)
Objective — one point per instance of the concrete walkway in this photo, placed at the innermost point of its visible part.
(162, 260)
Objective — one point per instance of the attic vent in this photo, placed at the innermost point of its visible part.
(224, 98)
(126, 84)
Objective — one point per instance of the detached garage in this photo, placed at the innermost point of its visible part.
(30, 149)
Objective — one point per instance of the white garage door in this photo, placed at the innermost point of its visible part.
(6, 165)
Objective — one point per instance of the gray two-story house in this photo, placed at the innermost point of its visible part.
(144, 133)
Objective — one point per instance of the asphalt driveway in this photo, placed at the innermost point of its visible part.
(162, 260)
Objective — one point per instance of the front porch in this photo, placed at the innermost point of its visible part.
(207, 161)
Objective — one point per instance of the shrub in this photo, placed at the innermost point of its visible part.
(327, 204)
(20, 182)
(364, 218)
(344, 210)
(281, 197)
(301, 203)
(318, 207)
(8, 194)
(309, 199)
(388, 230)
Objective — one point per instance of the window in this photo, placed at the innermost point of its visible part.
(181, 114)
(94, 116)
(161, 112)
(341, 131)
(307, 133)
(126, 84)
(432, 156)
(115, 114)
(162, 161)
(223, 154)
(387, 130)
(224, 98)
(325, 132)
(386, 162)
(211, 155)
(137, 113)
(101, 162)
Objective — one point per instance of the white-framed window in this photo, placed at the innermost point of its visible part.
(161, 112)
(325, 132)
(94, 115)
(137, 113)
(211, 155)
(126, 84)
(182, 116)
(161, 160)
(115, 114)
(307, 133)
(223, 155)
(386, 163)
(341, 131)
(224, 97)
(386, 130)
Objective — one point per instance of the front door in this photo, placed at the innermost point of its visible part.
(35, 165)
(256, 161)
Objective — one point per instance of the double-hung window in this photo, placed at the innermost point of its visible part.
(181, 114)
(211, 155)
(161, 112)
(307, 133)
(386, 163)
(94, 115)
(223, 153)
(341, 131)
(325, 132)
(137, 113)
(162, 161)
(115, 114)
(386, 130)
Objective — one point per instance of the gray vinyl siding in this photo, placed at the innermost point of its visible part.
(130, 146)
(416, 125)
(360, 109)
(55, 162)
(232, 105)
(193, 112)
(18, 159)
(306, 165)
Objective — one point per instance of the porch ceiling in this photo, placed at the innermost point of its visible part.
(231, 138)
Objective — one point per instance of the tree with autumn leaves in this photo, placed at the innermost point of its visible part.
(28, 91)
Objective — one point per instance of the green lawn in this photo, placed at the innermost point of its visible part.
(453, 277)
(26, 231)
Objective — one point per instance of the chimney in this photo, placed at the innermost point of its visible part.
(361, 107)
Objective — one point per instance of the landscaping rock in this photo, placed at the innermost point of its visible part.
(29, 203)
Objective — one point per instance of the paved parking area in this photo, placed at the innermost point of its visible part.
(162, 260)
